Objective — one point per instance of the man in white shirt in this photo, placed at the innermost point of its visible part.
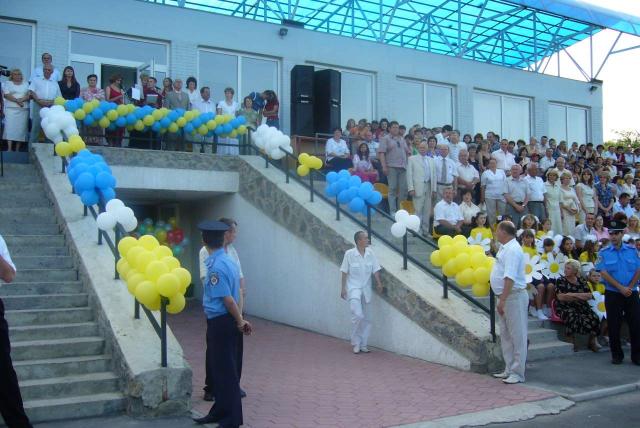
(443, 136)
(610, 153)
(547, 161)
(447, 216)
(516, 195)
(38, 72)
(536, 192)
(560, 163)
(205, 105)
(623, 205)
(44, 91)
(358, 265)
(583, 230)
(12, 407)
(508, 282)
(543, 145)
(455, 146)
(504, 158)
(446, 171)
(468, 176)
(421, 179)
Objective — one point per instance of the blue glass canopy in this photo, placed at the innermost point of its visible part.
(514, 33)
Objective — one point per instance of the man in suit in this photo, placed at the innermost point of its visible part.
(421, 182)
(174, 100)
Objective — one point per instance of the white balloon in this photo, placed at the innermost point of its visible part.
(44, 112)
(113, 205)
(277, 154)
(284, 141)
(51, 130)
(258, 140)
(398, 230)
(71, 130)
(413, 223)
(57, 109)
(271, 144)
(56, 138)
(261, 129)
(131, 224)
(287, 149)
(402, 216)
(68, 121)
(106, 221)
(123, 214)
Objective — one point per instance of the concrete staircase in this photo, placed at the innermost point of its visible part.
(543, 339)
(61, 359)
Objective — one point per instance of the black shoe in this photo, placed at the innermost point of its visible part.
(616, 361)
(208, 419)
(242, 393)
(208, 396)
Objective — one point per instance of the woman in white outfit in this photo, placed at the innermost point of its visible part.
(586, 195)
(358, 265)
(568, 204)
(228, 106)
(493, 186)
(16, 109)
(552, 199)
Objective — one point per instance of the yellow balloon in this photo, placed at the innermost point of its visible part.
(242, 129)
(173, 128)
(164, 111)
(88, 108)
(303, 170)
(459, 247)
(435, 258)
(490, 261)
(171, 262)
(465, 278)
(149, 242)
(142, 260)
(211, 125)
(155, 269)
(155, 304)
(125, 244)
(317, 163)
(233, 133)
(59, 101)
(161, 252)
(123, 268)
(449, 268)
(168, 285)
(104, 122)
(303, 158)
(446, 253)
(133, 281)
(79, 114)
(63, 149)
(176, 304)
(146, 293)
(122, 110)
(480, 290)
(148, 120)
(138, 126)
(181, 122)
(481, 275)
(112, 115)
(133, 253)
(202, 130)
(462, 261)
(76, 144)
(460, 238)
(184, 276)
(195, 112)
(473, 249)
(157, 114)
(188, 115)
(445, 240)
(477, 260)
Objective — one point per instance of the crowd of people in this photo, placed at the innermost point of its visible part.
(19, 97)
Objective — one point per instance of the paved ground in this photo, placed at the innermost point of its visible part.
(296, 378)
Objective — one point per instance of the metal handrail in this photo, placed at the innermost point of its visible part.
(160, 329)
(404, 250)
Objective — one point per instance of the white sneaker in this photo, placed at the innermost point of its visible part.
(532, 311)
(364, 349)
(502, 375)
(356, 349)
(512, 379)
(546, 311)
(541, 316)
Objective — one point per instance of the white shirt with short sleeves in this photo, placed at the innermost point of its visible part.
(45, 89)
(504, 161)
(229, 108)
(510, 263)
(4, 253)
(536, 188)
(495, 184)
(338, 147)
(447, 211)
(359, 270)
(468, 173)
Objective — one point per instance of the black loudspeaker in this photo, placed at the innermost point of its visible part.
(302, 101)
(327, 100)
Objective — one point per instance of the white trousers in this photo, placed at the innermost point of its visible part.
(228, 150)
(360, 321)
(513, 332)
(423, 207)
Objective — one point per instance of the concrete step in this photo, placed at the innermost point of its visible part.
(28, 275)
(28, 228)
(57, 348)
(43, 262)
(542, 335)
(39, 251)
(6, 184)
(53, 331)
(22, 199)
(51, 301)
(76, 407)
(59, 367)
(34, 240)
(72, 385)
(48, 316)
(534, 323)
(543, 351)
(39, 288)
(44, 215)
(21, 172)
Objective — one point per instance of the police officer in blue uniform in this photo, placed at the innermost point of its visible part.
(619, 266)
(224, 324)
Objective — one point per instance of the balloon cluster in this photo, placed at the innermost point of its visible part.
(91, 177)
(468, 264)
(151, 272)
(55, 120)
(307, 163)
(117, 212)
(167, 233)
(270, 140)
(112, 116)
(404, 221)
(351, 191)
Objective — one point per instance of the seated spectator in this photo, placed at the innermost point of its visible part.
(573, 308)
(544, 229)
(623, 206)
(601, 232)
(546, 287)
(547, 161)
(589, 252)
(633, 227)
(362, 166)
(447, 215)
(529, 222)
(629, 186)
(469, 211)
(583, 230)
(351, 124)
(636, 207)
(337, 152)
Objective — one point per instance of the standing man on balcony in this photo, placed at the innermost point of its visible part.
(393, 152)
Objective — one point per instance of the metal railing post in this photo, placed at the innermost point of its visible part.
(368, 221)
(311, 184)
(337, 209)
(285, 165)
(163, 331)
(117, 255)
(99, 230)
(64, 164)
(85, 211)
(492, 313)
(136, 309)
(445, 287)
(404, 251)
(266, 160)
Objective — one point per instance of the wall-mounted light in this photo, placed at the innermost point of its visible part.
(283, 32)
(593, 88)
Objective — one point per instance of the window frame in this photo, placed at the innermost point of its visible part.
(27, 73)
(502, 97)
(424, 84)
(566, 108)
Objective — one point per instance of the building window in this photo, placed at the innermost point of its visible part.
(424, 103)
(568, 123)
(21, 37)
(507, 115)
(245, 74)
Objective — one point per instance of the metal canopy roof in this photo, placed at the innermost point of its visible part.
(514, 33)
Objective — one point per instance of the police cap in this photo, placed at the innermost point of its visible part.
(617, 226)
(213, 226)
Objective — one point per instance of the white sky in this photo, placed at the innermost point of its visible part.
(621, 87)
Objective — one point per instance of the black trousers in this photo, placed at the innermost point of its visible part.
(222, 361)
(445, 230)
(11, 406)
(239, 356)
(619, 308)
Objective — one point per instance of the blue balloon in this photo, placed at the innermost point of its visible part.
(69, 105)
(188, 128)
(343, 184)
(139, 114)
(156, 127)
(331, 190)
(218, 130)
(375, 198)
(95, 169)
(226, 128)
(234, 123)
(355, 181)
(84, 153)
(180, 111)
(173, 116)
(241, 120)
(344, 174)
(356, 204)
(112, 126)
(108, 194)
(196, 123)
(103, 104)
(97, 114)
(131, 119)
(165, 122)
(88, 120)
(85, 181)
(121, 122)
(105, 180)
(89, 197)
(343, 197)
(366, 190)
(113, 106)
(332, 177)
(105, 109)
(353, 192)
